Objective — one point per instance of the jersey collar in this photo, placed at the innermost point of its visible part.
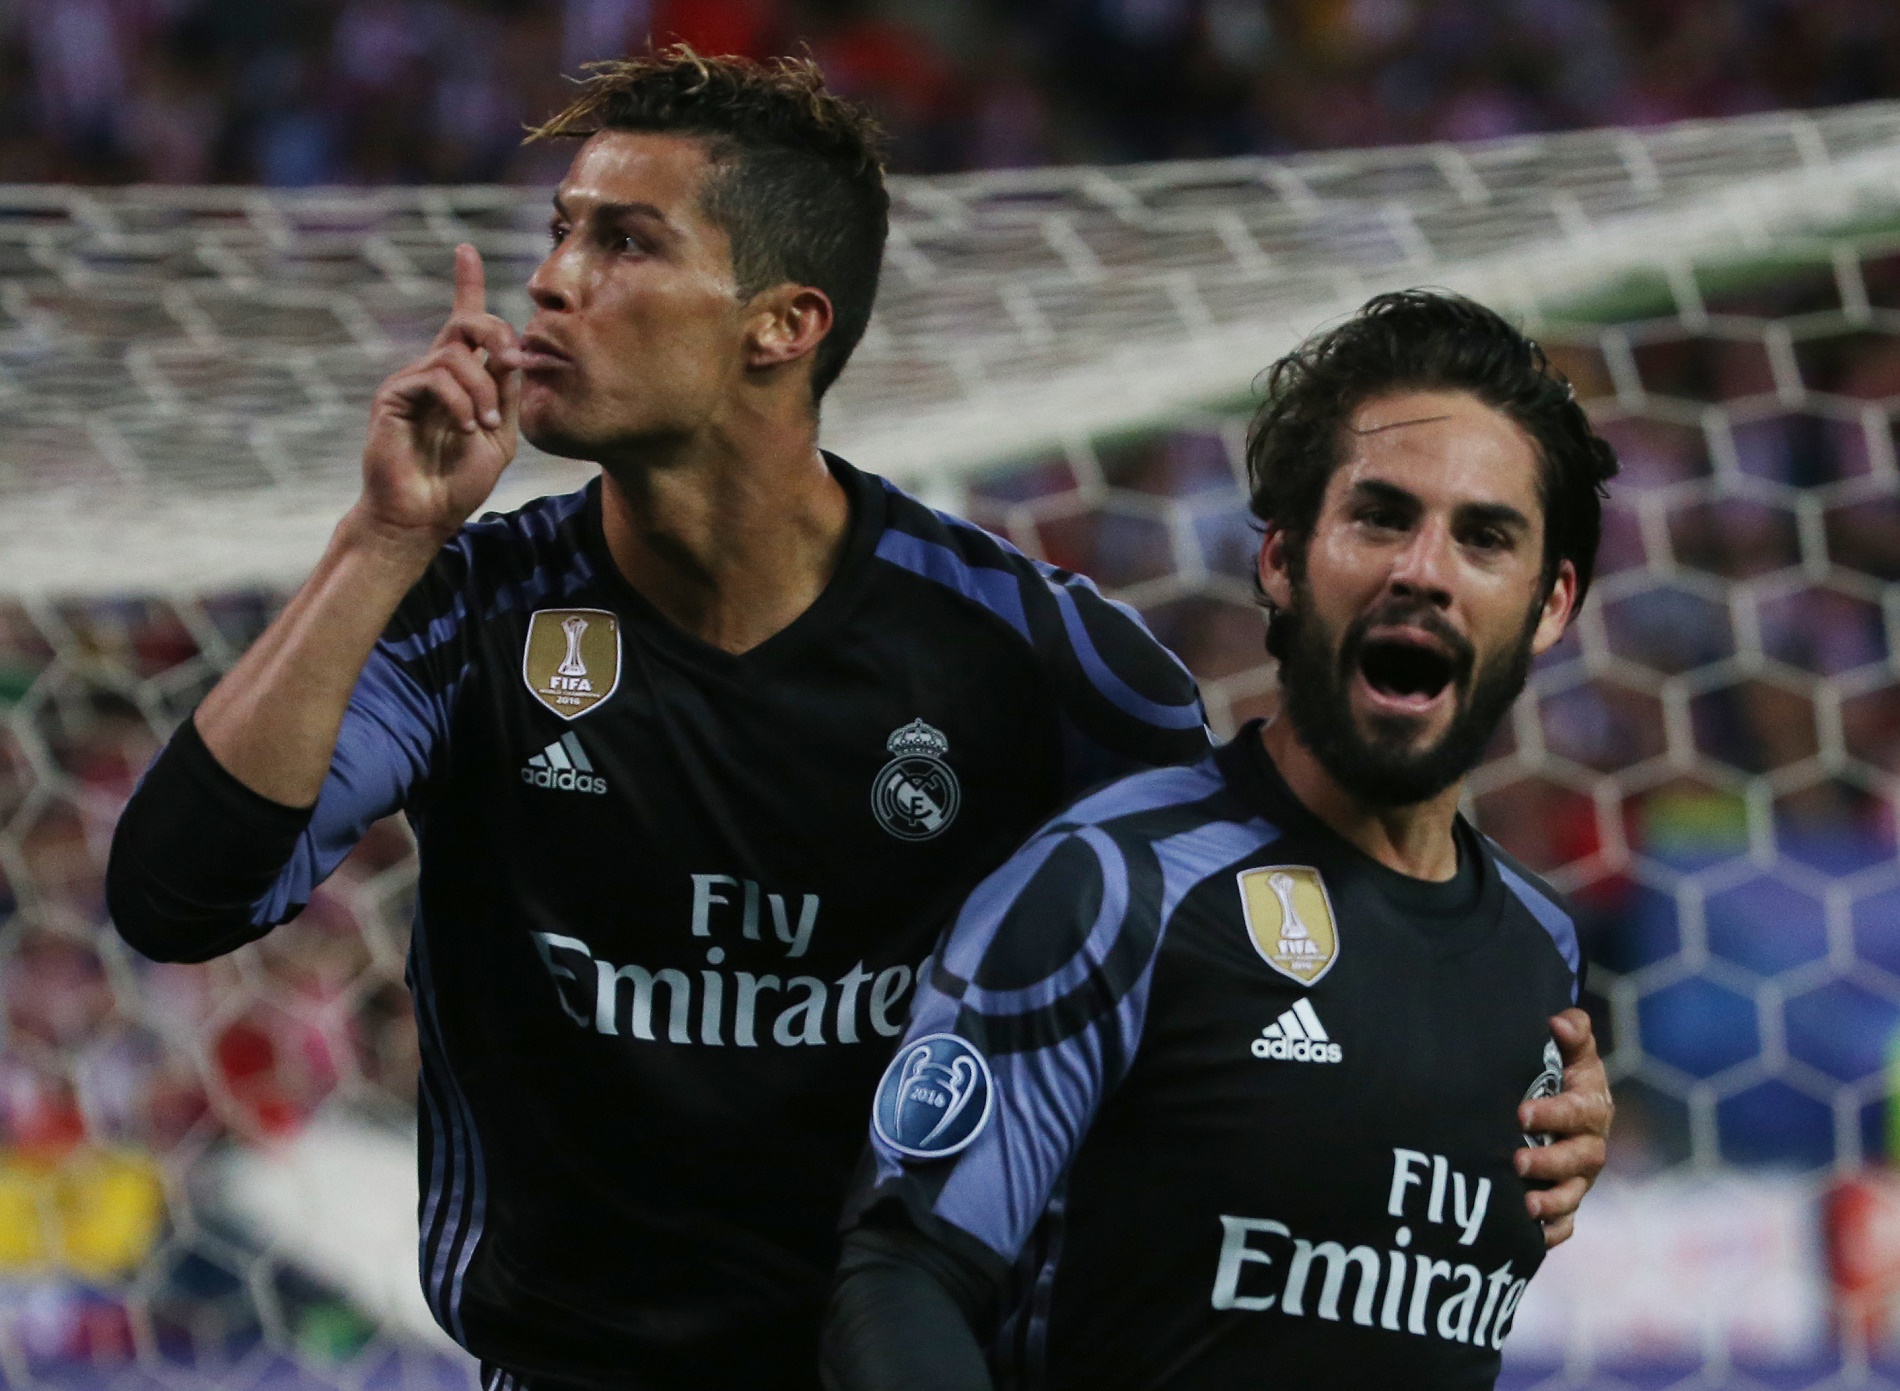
(833, 604)
(1455, 914)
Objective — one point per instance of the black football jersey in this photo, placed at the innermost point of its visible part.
(1223, 1101)
(672, 901)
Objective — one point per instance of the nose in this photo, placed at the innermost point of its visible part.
(1422, 569)
(551, 287)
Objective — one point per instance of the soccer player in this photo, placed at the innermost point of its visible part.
(700, 758)
(1218, 1081)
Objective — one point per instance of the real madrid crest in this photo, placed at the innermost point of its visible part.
(916, 794)
(1290, 919)
(571, 661)
(1549, 1082)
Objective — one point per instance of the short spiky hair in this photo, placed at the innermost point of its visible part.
(798, 183)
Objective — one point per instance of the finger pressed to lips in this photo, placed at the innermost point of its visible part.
(534, 353)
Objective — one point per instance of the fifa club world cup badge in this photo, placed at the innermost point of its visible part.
(572, 659)
(1290, 919)
(916, 794)
(934, 1098)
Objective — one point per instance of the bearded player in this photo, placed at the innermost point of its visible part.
(699, 758)
(1219, 1081)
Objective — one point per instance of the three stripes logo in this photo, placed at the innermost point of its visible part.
(1297, 1036)
(563, 766)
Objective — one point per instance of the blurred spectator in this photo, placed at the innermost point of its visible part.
(356, 91)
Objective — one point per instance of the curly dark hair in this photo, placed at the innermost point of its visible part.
(1412, 340)
(798, 179)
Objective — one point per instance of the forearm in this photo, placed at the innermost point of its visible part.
(193, 853)
(903, 1317)
(272, 721)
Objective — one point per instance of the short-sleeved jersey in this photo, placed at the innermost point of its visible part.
(1224, 1102)
(672, 900)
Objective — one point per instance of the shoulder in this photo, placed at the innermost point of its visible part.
(1151, 803)
(1071, 626)
(1549, 907)
(1065, 931)
(1135, 846)
(505, 562)
(956, 555)
(524, 558)
(543, 536)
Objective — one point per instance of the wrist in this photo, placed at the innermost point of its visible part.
(407, 548)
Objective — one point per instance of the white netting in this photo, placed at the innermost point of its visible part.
(182, 372)
(205, 1167)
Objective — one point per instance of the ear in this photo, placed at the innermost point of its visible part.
(1276, 581)
(785, 323)
(1559, 605)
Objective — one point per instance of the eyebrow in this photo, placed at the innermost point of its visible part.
(1499, 514)
(613, 210)
(1377, 490)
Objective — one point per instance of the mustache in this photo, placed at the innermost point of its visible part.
(1418, 614)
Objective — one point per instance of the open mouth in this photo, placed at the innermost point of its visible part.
(1405, 673)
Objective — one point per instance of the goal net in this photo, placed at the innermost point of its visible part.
(205, 1171)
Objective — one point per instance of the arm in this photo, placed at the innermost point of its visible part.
(904, 1316)
(308, 739)
(947, 1199)
(1123, 702)
(441, 431)
(1579, 1116)
(1128, 703)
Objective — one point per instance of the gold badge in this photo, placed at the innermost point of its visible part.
(572, 660)
(1290, 919)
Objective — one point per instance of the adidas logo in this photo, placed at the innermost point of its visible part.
(563, 765)
(1297, 1036)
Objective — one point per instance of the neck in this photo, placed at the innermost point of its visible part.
(729, 543)
(1416, 840)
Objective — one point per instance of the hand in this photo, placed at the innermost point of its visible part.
(1578, 1118)
(443, 428)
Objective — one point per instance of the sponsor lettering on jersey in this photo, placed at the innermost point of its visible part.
(1264, 1267)
(934, 1098)
(916, 795)
(1549, 1082)
(1297, 1036)
(737, 1008)
(563, 766)
(571, 660)
(1290, 920)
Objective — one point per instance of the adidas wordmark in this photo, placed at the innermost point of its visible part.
(563, 766)
(1297, 1036)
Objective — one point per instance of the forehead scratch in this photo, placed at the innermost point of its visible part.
(1396, 424)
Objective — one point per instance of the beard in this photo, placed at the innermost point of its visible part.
(1382, 765)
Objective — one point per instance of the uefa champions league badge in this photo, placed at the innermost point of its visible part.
(934, 1098)
(916, 794)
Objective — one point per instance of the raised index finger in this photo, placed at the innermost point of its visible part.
(471, 289)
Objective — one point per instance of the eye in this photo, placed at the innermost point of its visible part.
(1382, 518)
(1488, 538)
(557, 232)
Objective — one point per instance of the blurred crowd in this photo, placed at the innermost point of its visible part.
(299, 92)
